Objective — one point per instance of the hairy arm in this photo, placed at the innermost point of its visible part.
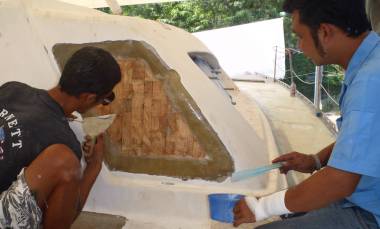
(321, 189)
(304, 163)
(88, 179)
(324, 154)
(94, 159)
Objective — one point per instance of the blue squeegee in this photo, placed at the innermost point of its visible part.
(244, 174)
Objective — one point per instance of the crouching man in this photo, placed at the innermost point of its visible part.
(40, 175)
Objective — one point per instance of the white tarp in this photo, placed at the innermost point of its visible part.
(373, 12)
(103, 3)
(247, 49)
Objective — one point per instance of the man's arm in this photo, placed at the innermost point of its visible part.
(94, 161)
(88, 179)
(303, 163)
(321, 189)
(324, 155)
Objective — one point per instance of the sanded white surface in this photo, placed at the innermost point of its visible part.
(38, 25)
(30, 29)
(294, 123)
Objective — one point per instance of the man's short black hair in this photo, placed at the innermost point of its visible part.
(90, 70)
(348, 15)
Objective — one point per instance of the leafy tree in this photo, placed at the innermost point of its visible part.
(198, 15)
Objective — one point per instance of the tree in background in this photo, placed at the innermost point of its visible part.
(200, 15)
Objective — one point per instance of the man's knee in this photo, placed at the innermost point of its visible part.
(64, 162)
(57, 163)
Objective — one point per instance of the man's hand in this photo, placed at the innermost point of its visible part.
(93, 151)
(296, 161)
(93, 154)
(242, 213)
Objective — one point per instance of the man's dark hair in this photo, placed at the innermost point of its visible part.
(90, 70)
(348, 15)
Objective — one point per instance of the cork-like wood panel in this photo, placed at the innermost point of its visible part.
(149, 125)
(159, 128)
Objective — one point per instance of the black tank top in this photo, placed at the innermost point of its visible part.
(30, 121)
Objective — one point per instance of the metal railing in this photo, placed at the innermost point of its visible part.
(319, 89)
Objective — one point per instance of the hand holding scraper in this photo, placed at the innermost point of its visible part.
(93, 126)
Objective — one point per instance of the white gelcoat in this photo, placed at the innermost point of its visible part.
(30, 29)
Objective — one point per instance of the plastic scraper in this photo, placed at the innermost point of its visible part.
(93, 126)
(244, 174)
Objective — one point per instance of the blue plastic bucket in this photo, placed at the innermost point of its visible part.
(222, 205)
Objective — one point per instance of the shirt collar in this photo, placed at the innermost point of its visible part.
(361, 54)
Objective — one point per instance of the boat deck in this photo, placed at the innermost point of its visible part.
(294, 125)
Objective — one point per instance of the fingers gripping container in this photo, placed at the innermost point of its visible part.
(222, 205)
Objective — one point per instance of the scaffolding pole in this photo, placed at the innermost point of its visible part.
(317, 90)
(293, 87)
(275, 64)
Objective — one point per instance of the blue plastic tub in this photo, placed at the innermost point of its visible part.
(222, 205)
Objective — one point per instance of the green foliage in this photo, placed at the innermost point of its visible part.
(304, 68)
(332, 81)
(198, 15)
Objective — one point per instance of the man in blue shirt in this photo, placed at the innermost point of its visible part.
(346, 192)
